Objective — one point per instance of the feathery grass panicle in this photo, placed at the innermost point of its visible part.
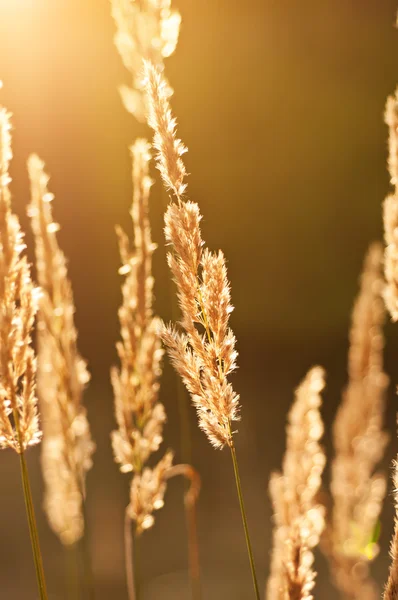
(391, 589)
(139, 415)
(299, 519)
(204, 354)
(360, 441)
(146, 30)
(390, 211)
(169, 148)
(62, 375)
(19, 422)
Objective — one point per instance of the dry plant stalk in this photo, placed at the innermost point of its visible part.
(359, 440)
(62, 374)
(146, 30)
(203, 361)
(139, 414)
(19, 421)
(299, 518)
(390, 211)
(190, 501)
(204, 352)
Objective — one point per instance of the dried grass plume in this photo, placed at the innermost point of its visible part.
(204, 352)
(139, 414)
(19, 422)
(359, 440)
(390, 210)
(62, 374)
(299, 518)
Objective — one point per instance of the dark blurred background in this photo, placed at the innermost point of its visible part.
(281, 105)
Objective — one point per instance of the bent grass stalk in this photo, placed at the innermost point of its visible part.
(130, 540)
(190, 503)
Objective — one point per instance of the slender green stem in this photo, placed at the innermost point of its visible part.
(244, 519)
(34, 536)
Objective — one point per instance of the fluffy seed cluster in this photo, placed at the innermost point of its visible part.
(139, 415)
(390, 211)
(19, 423)
(62, 374)
(299, 519)
(147, 493)
(146, 30)
(359, 440)
(169, 148)
(204, 352)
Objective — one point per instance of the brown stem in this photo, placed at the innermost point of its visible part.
(129, 556)
(190, 502)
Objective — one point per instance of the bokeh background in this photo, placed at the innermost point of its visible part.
(281, 105)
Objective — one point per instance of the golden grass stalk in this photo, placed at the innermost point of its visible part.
(19, 422)
(146, 30)
(390, 211)
(359, 440)
(62, 375)
(204, 352)
(139, 414)
(299, 518)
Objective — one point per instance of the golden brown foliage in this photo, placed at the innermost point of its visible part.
(360, 441)
(204, 353)
(299, 519)
(62, 375)
(19, 423)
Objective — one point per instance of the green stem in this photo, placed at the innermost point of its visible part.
(34, 536)
(244, 519)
